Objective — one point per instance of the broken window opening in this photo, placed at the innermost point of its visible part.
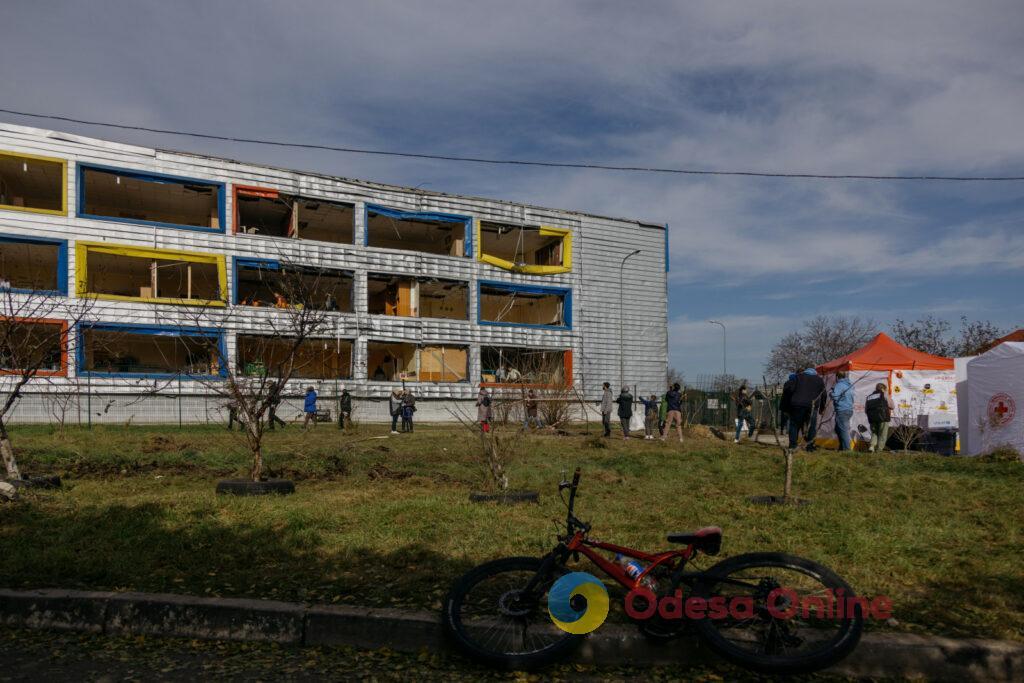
(524, 306)
(430, 233)
(138, 351)
(266, 356)
(508, 365)
(405, 361)
(151, 275)
(33, 343)
(30, 264)
(536, 250)
(31, 183)
(423, 297)
(274, 214)
(271, 284)
(167, 201)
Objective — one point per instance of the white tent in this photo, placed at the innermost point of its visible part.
(995, 398)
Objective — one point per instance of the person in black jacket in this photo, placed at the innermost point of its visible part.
(344, 409)
(806, 402)
(625, 401)
(787, 394)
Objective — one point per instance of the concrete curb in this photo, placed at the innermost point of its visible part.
(879, 655)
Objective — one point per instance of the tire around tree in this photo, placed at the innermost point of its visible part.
(248, 487)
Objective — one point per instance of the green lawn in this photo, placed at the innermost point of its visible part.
(381, 520)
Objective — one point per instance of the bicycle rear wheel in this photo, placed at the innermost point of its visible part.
(492, 619)
(792, 627)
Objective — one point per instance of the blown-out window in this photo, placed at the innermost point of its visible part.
(522, 366)
(269, 283)
(120, 272)
(525, 306)
(141, 351)
(405, 361)
(33, 343)
(260, 355)
(33, 183)
(534, 250)
(427, 232)
(401, 295)
(33, 264)
(136, 197)
(260, 211)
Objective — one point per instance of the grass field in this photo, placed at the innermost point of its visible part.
(386, 520)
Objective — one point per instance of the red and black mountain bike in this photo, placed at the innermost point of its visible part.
(498, 612)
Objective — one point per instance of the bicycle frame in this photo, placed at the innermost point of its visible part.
(673, 559)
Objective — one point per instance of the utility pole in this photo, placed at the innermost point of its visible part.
(622, 340)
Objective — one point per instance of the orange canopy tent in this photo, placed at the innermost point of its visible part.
(884, 353)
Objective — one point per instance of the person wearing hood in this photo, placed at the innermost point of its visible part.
(806, 402)
(625, 401)
(606, 409)
(673, 412)
(842, 400)
(309, 408)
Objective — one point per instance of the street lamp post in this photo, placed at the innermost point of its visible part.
(622, 339)
(725, 370)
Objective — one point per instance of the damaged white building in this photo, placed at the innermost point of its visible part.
(437, 292)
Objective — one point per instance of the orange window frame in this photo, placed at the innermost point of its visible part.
(63, 372)
(249, 191)
(566, 368)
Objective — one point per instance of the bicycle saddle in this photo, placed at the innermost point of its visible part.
(708, 539)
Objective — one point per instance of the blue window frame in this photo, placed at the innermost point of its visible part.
(158, 178)
(150, 330)
(465, 221)
(61, 265)
(564, 293)
(253, 263)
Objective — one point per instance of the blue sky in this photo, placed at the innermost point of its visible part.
(919, 87)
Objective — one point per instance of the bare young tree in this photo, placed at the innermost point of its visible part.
(34, 344)
(933, 335)
(285, 349)
(820, 340)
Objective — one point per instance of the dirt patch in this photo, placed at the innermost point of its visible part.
(704, 432)
(158, 443)
(379, 472)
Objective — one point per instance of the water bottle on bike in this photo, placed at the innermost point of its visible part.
(634, 569)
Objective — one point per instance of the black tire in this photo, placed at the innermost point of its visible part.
(247, 487)
(476, 639)
(829, 639)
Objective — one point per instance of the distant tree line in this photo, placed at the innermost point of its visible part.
(824, 338)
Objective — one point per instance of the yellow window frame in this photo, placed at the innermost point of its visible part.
(63, 210)
(82, 250)
(545, 231)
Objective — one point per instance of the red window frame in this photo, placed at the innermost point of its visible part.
(63, 372)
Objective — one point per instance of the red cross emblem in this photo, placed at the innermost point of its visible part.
(1001, 409)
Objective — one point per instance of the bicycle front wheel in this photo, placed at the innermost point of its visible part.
(493, 619)
(777, 613)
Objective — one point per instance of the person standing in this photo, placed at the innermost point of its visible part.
(395, 408)
(483, 409)
(273, 419)
(309, 408)
(408, 408)
(784, 403)
(625, 401)
(652, 407)
(806, 402)
(878, 407)
(674, 415)
(842, 400)
(606, 409)
(345, 409)
(530, 411)
(743, 412)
